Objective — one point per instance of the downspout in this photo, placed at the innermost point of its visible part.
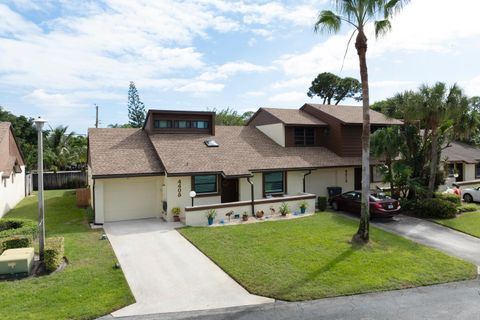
(252, 194)
(93, 202)
(304, 177)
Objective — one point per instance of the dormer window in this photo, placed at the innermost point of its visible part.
(304, 136)
(181, 124)
(162, 124)
(200, 124)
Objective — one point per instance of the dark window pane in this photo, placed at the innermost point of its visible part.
(205, 184)
(162, 123)
(477, 170)
(200, 124)
(299, 136)
(309, 136)
(181, 124)
(273, 182)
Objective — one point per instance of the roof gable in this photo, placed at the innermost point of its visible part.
(10, 154)
(352, 114)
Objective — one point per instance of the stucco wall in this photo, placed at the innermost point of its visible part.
(12, 191)
(276, 132)
(119, 199)
(468, 172)
(320, 179)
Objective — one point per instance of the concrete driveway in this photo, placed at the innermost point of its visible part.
(166, 273)
(434, 235)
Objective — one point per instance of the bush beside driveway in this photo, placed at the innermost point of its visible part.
(312, 258)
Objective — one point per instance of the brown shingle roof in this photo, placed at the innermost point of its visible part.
(241, 150)
(353, 115)
(294, 117)
(121, 151)
(458, 151)
(4, 129)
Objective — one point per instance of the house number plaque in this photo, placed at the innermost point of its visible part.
(179, 188)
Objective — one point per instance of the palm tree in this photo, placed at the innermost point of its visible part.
(386, 143)
(58, 142)
(358, 13)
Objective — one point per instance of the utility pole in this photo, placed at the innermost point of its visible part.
(96, 116)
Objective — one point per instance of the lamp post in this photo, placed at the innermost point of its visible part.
(41, 211)
(192, 194)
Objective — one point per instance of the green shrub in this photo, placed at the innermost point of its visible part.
(322, 203)
(435, 208)
(54, 252)
(468, 208)
(407, 206)
(449, 197)
(16, 227)
(15, 242)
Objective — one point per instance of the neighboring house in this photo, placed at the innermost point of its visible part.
(281, 155)
(462, 161)
(12, 170)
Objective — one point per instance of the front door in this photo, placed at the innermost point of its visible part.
(229, 191)
(357, 179)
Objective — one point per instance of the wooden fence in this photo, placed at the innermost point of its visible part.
(62, 180)
(83, 197)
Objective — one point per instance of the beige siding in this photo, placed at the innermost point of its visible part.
(276, 132)
(320, 179)
(295, 182)
(12, 190)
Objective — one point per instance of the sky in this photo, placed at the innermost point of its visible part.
(60, 58)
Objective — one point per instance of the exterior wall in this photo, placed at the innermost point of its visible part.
(119, 199)
(351, 141)
(468, 171)
(276, 132)
(295, 182)
(333, 139)
(12, 191)
(320, 179)
(197, 217)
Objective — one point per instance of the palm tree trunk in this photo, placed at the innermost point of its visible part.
(390, 173)
(362, 235)
(433, 164)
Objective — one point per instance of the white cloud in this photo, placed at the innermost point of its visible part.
(13, 23)
(291, 97)
(230, 69)
(472, 86)
(303, 82)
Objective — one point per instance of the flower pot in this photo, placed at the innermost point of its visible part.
(259, 214)
(210, 221)
(302, 210)
(176, 218)
(245, 218)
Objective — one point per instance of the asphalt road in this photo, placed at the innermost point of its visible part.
(458, 300)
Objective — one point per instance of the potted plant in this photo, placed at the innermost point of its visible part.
(245, 216)
(176, 214)
(303, 206)
(284, 209)
(259, 214)
(211, 214)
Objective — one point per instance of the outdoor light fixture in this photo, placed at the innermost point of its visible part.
(192, 194)
(39, 123)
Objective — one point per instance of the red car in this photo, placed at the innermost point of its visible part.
(381, 206)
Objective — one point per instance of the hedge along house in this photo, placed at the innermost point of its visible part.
(12, 170)
(281, 155)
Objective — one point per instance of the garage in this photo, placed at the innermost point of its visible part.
(131, 198)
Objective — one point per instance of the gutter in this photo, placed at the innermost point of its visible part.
(304, 178)
(93, 202)
(252, 192)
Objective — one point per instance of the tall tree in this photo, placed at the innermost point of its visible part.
(230, 117)
(136, 108)
(329, 86)
(386, 143)
(357, 13)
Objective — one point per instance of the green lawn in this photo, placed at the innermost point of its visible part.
(467, 222)
(311, 258)
(87, 288)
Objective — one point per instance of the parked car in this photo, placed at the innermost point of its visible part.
(381, 206)
(471, 194)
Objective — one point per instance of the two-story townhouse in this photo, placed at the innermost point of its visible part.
(281, 155)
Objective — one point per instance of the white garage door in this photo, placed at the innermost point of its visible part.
(131, 198)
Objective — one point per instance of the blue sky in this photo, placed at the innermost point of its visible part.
(59, 58)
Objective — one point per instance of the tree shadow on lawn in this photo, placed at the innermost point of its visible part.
(326, 268)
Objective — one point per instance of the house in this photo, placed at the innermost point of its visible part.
(281, 155)
(12, 170)
(461, 161)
